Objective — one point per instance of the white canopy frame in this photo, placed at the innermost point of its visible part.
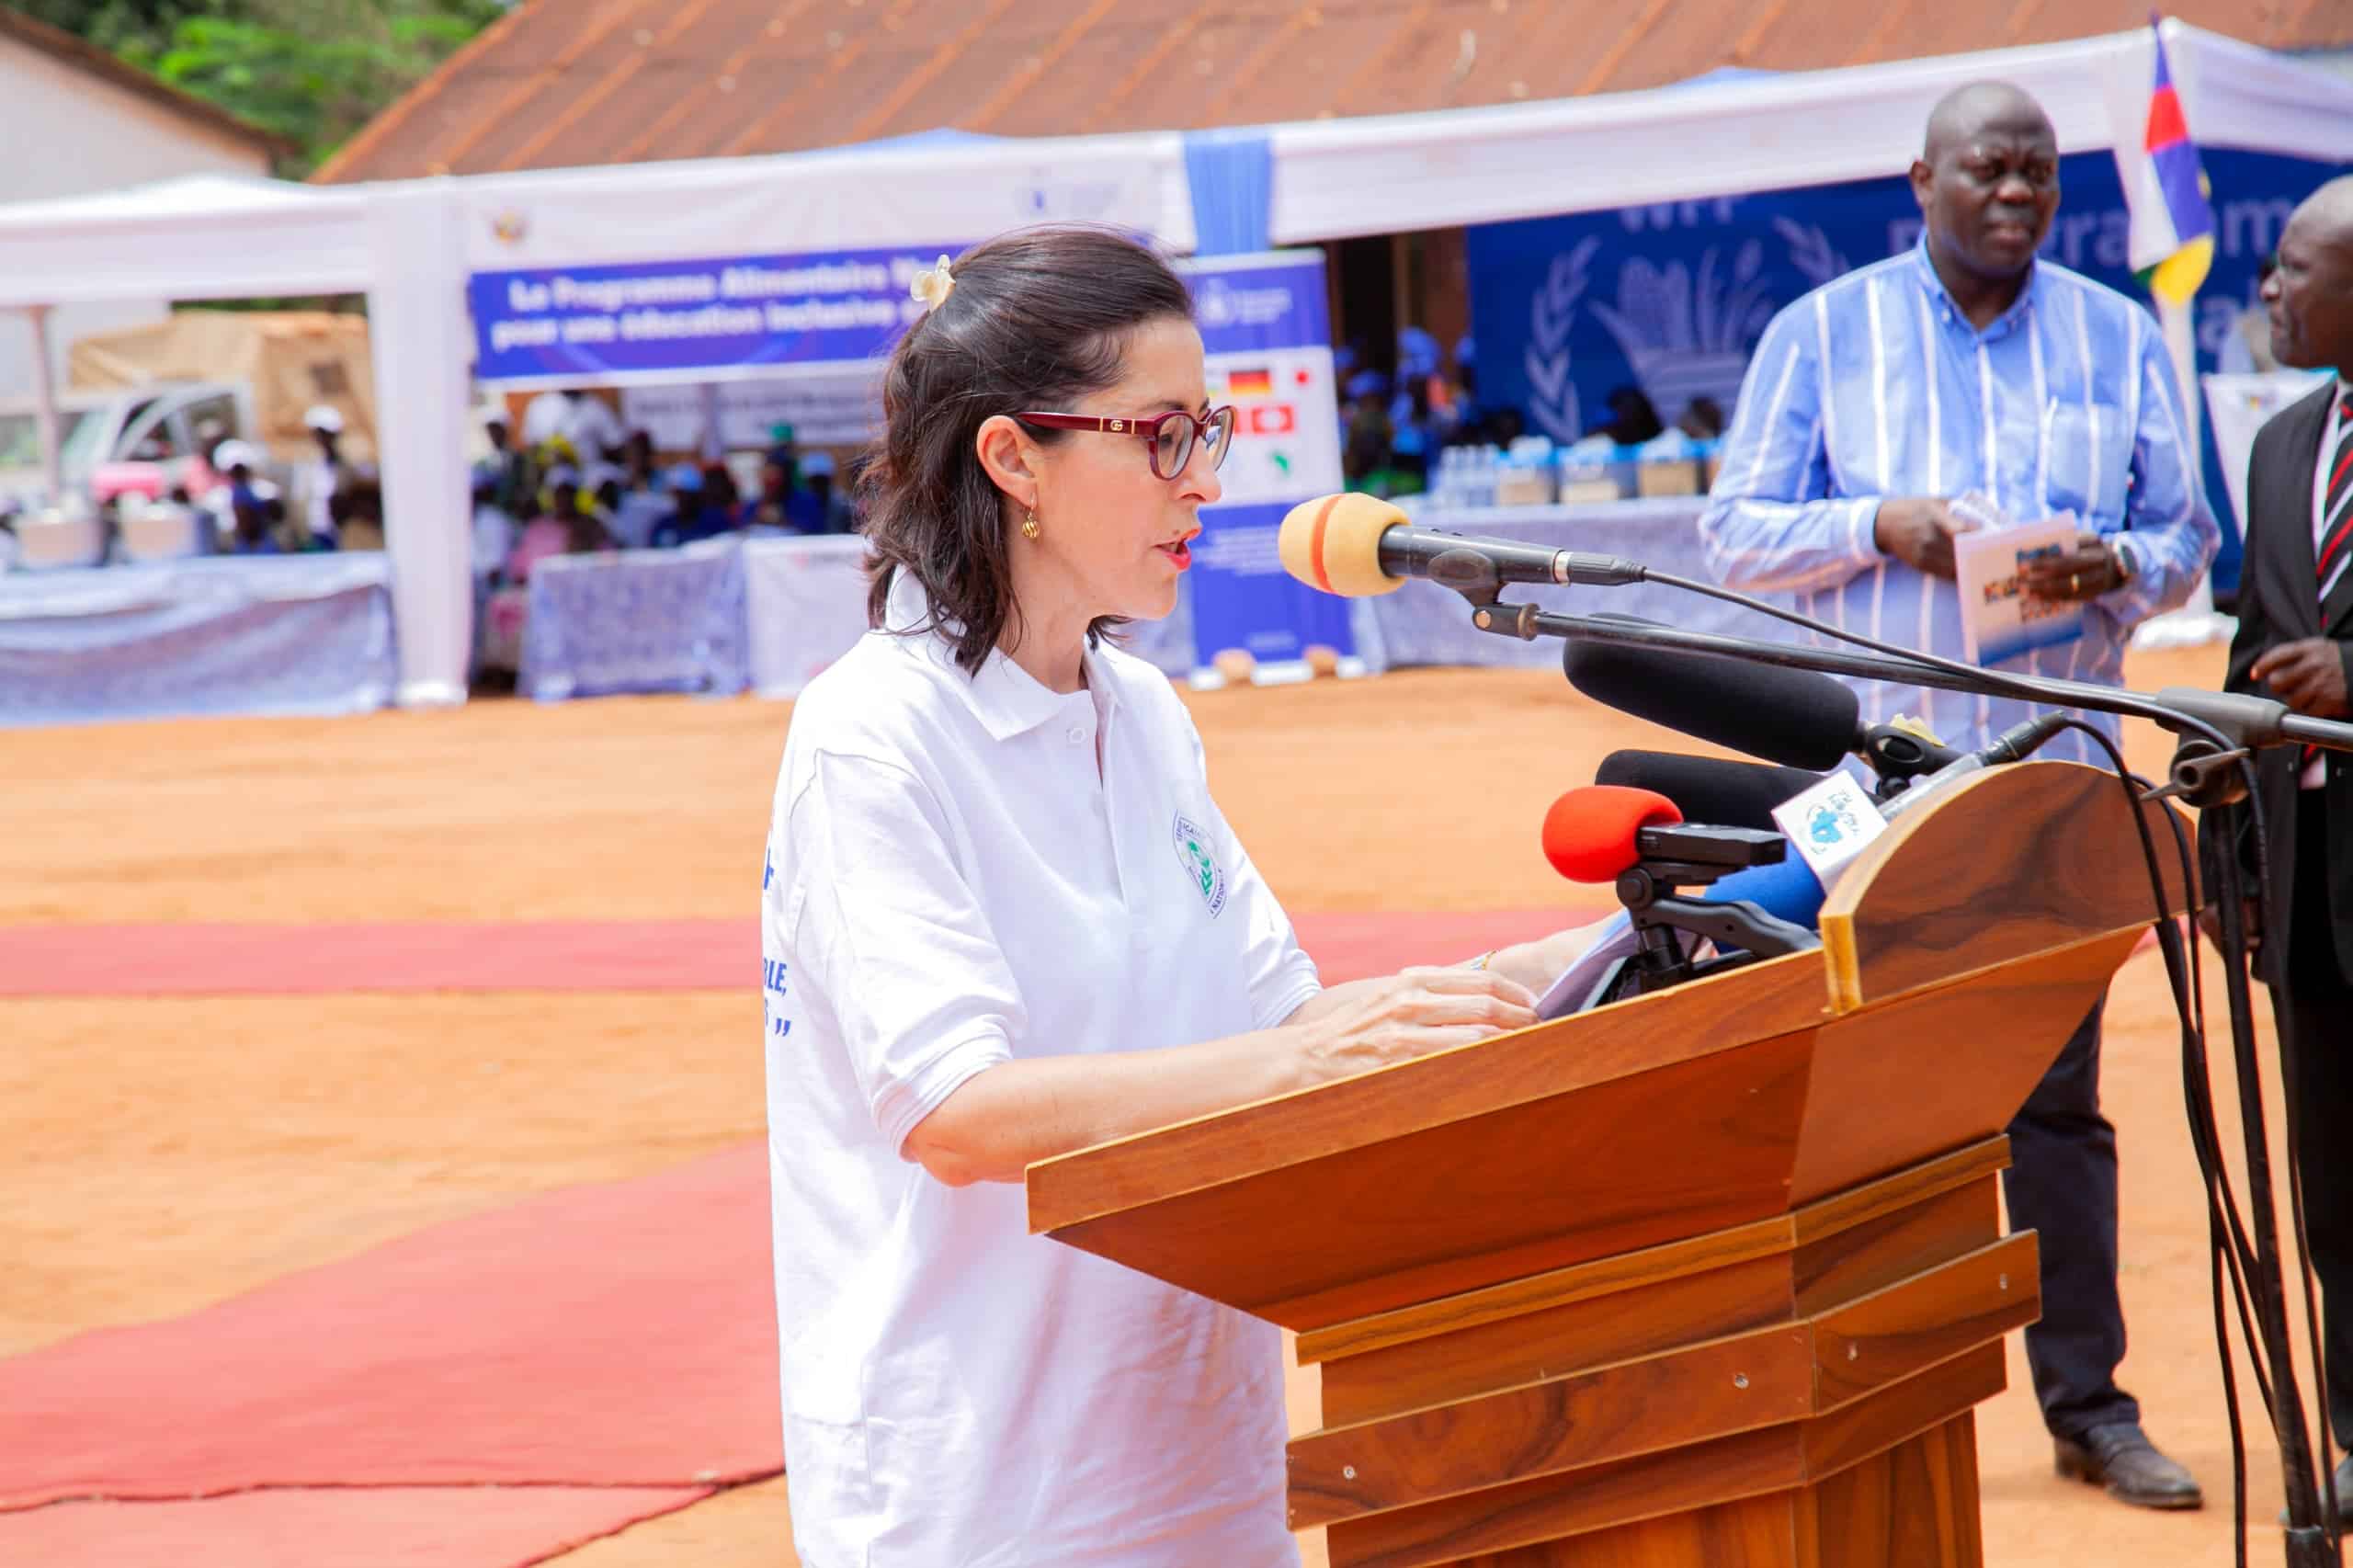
(1335, 178)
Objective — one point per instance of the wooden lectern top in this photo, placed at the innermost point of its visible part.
(1959, 954)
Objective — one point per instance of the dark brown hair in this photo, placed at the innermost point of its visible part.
(1038, 318)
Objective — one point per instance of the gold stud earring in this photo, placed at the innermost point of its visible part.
(1030, 525)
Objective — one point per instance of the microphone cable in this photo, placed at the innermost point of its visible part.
(2226, 1241)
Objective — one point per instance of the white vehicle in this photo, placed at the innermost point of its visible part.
(145, 439)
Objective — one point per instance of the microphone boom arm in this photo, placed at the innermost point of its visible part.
(2246, 722)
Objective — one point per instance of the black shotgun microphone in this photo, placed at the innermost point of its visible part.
(1708, 788)
(1795, 718)
(1357, 546)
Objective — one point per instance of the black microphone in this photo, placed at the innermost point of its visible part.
(1708, 788)
(1796, 718)
(1356, 546)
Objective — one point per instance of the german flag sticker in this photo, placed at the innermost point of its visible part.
(1249, 383)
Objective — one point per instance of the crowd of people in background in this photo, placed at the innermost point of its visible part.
(574, 480)
(224, 497)
(337, 504)
(568, 477)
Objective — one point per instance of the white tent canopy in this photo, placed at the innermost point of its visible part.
(916, 190)
(1339, 177)
(198, 237)
(410, 246)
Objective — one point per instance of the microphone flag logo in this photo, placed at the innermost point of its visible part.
(1829, 823)
(1200, 866)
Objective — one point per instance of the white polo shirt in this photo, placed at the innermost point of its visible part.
(951, 883)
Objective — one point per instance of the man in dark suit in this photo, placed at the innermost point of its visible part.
(2295, 643)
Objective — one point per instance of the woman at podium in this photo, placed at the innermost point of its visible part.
(1003, 918)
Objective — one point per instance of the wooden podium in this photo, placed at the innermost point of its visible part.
(1710, 1278)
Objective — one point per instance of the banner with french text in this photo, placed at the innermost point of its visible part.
(682, 320)
(1266, 328)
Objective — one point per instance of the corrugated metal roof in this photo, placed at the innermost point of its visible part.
(569, 82)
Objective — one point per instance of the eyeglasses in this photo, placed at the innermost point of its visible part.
(1170, 434)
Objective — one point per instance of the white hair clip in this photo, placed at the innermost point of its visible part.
(932, 285)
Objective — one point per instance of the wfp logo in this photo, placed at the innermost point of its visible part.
(1688, 330)
(1827, 826)
(1553, 395)
(1686, 327)
(1217, 303)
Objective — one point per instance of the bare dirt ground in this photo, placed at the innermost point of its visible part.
(161, 1154)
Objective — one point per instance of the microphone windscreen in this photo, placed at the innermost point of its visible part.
(1796, 718)
(1589, 833)
(1334, 543)
(1787, 888)
(1708, 788)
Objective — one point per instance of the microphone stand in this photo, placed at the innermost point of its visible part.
(2217, 733)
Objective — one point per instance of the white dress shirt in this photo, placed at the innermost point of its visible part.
(955, 881)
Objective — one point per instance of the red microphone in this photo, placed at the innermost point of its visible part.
(1589, 833)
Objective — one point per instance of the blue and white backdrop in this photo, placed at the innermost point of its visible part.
(1673, 298)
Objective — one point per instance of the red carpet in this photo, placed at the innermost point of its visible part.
(486, 1392)
(611, 1336)
(456, 1526)
(315, 960)
(571, 955)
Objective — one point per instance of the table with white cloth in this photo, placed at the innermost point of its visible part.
(268, 635)
(637, 620)
(1421, 623)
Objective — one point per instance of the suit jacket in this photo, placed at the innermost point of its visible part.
(2279, 602)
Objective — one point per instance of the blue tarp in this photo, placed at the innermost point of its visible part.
(301, 634)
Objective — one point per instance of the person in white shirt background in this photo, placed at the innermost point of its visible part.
(325, 475)
(1003, 918)
(586, 422)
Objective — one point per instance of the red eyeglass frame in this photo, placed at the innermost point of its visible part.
(1149, 430)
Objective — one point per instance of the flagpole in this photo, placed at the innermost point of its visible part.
(2196, 622)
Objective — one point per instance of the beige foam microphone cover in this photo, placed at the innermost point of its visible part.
(1334, 543)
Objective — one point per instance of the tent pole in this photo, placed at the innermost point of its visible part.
(45, 405)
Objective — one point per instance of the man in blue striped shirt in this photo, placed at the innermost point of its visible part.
(1871, 405)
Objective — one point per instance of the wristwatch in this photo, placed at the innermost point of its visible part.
(2120, 557)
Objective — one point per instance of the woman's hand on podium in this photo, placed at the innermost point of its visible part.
(1538, 963)
(1367, 1024)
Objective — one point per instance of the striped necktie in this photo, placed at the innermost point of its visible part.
(2336, 515)
(2336, 527)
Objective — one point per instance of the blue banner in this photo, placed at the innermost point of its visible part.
(1268, 331)
(645, 319)
(1671, 299)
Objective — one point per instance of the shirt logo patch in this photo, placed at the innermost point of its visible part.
(1200, 866)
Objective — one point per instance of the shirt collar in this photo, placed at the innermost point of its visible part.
(1008, 701)
(2000, 326)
